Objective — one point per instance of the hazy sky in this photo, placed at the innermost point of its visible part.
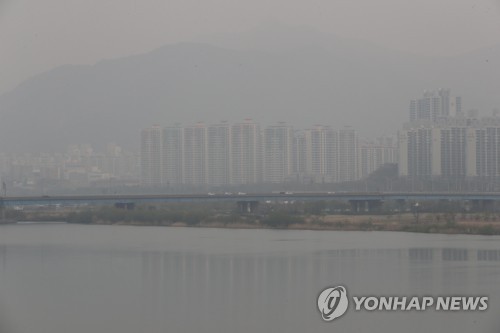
(38, 35)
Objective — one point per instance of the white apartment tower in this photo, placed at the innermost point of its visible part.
(151, 161)
(299, 156)
(172, 155)
(246, 153)
(372, 155)
(416, 151)
(453, 148)
(322, 144)
(239, 154)
(195, 154)
(347, 155)
(484, 143)
(218, 157)
(278, 142)
(434, 105)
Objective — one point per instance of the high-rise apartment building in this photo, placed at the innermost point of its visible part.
(195, 154)
(434, 142)
(246, 153)
(483, 140)
(151, 160)
(348, 155)
(299, 156)
(172, 155)
(239, 154)
(433, 150)
(452, 153)
(278, 142)
(374, 154)
(322, 144)
(434, 105)
(218, 154)
(455, 147)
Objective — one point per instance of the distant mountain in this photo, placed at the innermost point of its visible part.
(304, 78)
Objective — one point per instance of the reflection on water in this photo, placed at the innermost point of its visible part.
(488, 255)
(189, 280)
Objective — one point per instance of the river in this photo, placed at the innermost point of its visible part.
(61, 278)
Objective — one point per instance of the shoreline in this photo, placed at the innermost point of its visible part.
(489, 229)
(434, 223)
(467, 228)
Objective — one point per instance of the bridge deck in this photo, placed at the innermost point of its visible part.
(165, 198)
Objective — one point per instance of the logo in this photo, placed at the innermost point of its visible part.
(333, 303)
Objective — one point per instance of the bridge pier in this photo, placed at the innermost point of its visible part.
(355, 205)
(489, 205)
(483, 205)
(125, 205)
(374, 205)
(365, 206)
(401, 204)
(247, 207)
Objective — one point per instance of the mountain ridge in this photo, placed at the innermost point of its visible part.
(111, 100)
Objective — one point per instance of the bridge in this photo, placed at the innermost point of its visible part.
(359, 201)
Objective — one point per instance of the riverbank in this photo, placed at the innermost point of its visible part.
(442, 223)
(402, 223)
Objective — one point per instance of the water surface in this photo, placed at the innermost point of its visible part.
(119, 279)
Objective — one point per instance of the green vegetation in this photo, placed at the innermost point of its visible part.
(315, 207)
(12, 214)
(83, 217)
(190, 215)
(143, 215)
(321, 215)
(366, 226)
(488, 230)
(281, 220)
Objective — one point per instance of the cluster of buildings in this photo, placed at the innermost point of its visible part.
(440, 140)
(80, 165)
(244, 153)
